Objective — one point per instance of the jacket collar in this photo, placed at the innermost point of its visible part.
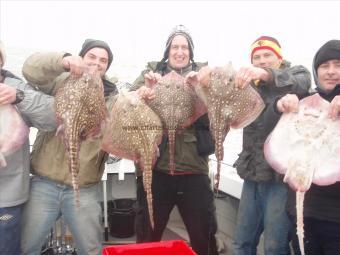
(182, 71)
(7, 74)
(329, 96)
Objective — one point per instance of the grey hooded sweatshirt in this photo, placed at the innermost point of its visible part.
(37, 110)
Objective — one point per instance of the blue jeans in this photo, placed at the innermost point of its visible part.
(48, 201)
(262, 209)
(10, 227)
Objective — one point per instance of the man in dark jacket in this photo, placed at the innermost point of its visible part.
(189, 188)
(322, 203)
(262, 204)
(37, 110)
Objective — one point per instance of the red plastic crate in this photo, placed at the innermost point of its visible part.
(176, 247)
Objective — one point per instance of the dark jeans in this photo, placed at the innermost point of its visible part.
(195, 201)
(10, 230)
(321, 237)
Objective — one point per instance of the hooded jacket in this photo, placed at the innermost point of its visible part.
(321, 202)
(49, 158)
(187, 158)
(37, 110)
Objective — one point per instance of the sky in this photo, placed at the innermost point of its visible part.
(137, 31)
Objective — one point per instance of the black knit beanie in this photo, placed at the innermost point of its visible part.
(91, 43)
(179, 30)
(330, 50)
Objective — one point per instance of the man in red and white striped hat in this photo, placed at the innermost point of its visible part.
(265, 53)
(267, 43)
(264, 195)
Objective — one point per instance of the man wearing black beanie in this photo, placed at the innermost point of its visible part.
(322, 203)
(51, 194)
(91, 43)
(329, 51)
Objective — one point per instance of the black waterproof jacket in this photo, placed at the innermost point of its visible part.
(251, 164)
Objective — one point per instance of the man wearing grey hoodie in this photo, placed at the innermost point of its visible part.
(36, 109)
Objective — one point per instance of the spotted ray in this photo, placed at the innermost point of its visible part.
(80, 112)
(227, 107)
(305, 147)
(13, 132)
(134, 132)
(178, 107)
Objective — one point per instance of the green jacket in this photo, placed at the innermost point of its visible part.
(49, 158)
(186, 155)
